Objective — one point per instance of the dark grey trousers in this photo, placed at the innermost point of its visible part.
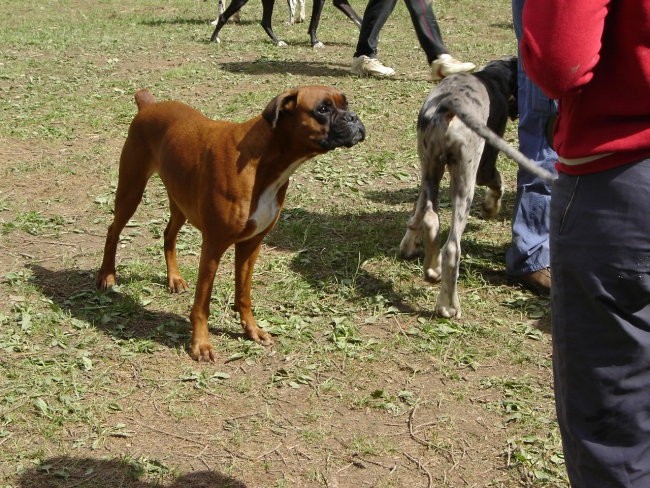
(600, 262)
(424, 22)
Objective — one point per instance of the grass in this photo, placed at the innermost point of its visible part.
(364, 385)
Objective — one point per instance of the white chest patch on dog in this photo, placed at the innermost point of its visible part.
(267, 206)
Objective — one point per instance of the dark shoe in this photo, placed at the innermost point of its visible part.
(538, 282)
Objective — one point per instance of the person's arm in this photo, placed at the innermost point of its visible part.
(561, 42)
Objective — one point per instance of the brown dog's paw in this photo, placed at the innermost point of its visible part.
(264, 338)
(258, 335)
(177, 284)
(203, 351)
(105, 281)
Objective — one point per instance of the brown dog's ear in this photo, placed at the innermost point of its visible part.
(284, 102)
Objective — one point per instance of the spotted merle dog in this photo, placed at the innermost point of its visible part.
(457, 117)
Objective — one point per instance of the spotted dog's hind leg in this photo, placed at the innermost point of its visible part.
(488, 175)
(492, 202)
(461, 187)
(431, 232)
(423, 226)
(411, 244)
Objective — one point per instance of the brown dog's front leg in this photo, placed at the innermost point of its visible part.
(246, 253)
(200, 347)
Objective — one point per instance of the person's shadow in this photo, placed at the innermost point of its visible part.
(298, 68)
(67, 472)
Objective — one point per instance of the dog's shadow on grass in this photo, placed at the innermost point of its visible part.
(64, 472)
(117, 314)
(298, 68)
(331, 248)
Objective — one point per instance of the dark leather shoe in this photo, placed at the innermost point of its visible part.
(538, 282)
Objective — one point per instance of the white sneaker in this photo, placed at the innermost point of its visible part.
(365, 66)
(446, 65)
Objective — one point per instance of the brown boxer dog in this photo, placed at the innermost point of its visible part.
(228, 180)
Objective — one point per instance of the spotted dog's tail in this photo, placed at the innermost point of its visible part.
(143, 98)
(455, 105)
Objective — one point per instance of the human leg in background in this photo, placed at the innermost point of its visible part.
(600, 257)
(426, 28)
(365, 60)
(374, 18)
(428, 33)
(528, 257)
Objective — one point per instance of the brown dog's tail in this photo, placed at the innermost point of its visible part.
(143, 98)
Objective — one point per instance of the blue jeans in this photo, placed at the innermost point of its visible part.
(529, 249)
(600, 299)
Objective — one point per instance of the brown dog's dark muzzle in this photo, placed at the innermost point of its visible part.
(358, 127)
(346, 131)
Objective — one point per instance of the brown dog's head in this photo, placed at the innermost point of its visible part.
(317, 114)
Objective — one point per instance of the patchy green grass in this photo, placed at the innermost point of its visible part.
(364, 385)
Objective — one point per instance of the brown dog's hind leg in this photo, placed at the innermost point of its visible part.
(200, 347)
(132, 180)
(246, 253)
(175, 281)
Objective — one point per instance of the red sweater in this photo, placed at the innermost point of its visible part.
(594, 57)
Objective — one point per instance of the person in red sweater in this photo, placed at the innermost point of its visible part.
(594, 57)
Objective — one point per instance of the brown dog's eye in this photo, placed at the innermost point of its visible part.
(323, 109)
